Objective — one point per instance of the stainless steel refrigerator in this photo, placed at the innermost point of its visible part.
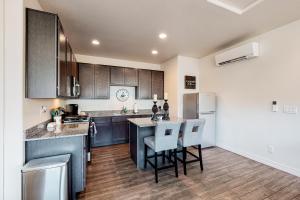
(202, 105)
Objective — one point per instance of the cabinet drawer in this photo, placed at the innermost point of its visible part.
(102, 120)
(119, 119)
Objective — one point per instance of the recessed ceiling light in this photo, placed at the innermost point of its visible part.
(154, 52)
(162, 36)
(95, 42)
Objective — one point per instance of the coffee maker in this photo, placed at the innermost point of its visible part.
(72, 109)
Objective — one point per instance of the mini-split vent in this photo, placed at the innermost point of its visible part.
(238, 54)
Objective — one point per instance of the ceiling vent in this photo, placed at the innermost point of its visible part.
(236, 6)
(241, 53)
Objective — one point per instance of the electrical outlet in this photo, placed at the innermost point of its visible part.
(270, 149)
(43, 109)
(290, 109)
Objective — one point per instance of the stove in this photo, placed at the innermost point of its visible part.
(75, 119)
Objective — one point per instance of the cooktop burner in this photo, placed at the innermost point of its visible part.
(76, 118)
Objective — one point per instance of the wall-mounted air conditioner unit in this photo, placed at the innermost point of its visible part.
(243, 52)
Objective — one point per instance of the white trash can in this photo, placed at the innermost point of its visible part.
(47, 178)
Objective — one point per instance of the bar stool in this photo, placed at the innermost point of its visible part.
(165, 139)
(191, 136)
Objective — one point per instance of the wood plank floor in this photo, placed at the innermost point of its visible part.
(113, 175)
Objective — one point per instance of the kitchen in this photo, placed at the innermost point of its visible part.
(100, 112)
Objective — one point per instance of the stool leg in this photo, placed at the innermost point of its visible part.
(200, 157)
(145, 156)
(184, 160)
(175, 162)
(155, 165)
(170, 155)
(163, 157)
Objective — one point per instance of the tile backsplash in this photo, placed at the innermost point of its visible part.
(113, 103)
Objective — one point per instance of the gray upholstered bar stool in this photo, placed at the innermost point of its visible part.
(192, 131)
(165, 139)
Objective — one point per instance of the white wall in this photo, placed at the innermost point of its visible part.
(245, 123)
(175, 71)
(171, 74)
(32, 107)
(12, 85)
(1, 98)
(187, 67)
(113, 103)
(115, 62)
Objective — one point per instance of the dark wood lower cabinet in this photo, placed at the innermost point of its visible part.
(103, 136)
(120, 132)
(112, 130)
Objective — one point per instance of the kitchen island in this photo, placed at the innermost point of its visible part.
(65, 139)
(139, 128)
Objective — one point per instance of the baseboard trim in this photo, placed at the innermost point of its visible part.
(262, 160)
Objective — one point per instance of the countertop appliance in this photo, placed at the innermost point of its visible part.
(71, 109)
(202, 105)
(47, 178)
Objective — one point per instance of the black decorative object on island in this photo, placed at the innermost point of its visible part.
(154, 110)
(166, 110)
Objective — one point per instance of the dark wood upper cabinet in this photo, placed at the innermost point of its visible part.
(117, 76)
(75, 72)
(62, 65)
(41, 54)
(130, 77)
(69, 70)
(158, 84)
(86, 79)
(143, 91)
(123, 76)
(102, 74)
(94, 81)
(48, 57)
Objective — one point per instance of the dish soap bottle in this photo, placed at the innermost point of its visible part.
(135, 108)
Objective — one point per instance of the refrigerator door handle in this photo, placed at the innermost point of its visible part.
(207, 113)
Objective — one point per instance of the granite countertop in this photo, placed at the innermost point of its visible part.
(64, 130)
(117, 113)
(147, 122)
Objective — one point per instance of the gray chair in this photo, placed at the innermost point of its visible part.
(165, 139)
(192, 132)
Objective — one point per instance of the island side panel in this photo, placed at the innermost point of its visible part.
(76, 146)
(137, 135)
(133, 129)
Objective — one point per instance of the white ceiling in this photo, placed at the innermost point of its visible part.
(128, 29)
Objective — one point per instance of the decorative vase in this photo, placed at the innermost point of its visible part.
(154, 110)
(166, 110)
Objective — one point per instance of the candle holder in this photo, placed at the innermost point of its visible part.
(166, 110)
(154, 110)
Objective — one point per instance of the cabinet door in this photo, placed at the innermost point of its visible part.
(102, 74)
(144, 88)
(158, 84)
(41, 54)
(62, 59)
(86, 79)
(120, 132)
(103, 136)
(69, 70)
(130, 77)
(116, 75)
(74, 67)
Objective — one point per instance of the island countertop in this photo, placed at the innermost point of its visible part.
(147, 122)
(64, 130)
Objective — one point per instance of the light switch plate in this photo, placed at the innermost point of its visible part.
(290, 109)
